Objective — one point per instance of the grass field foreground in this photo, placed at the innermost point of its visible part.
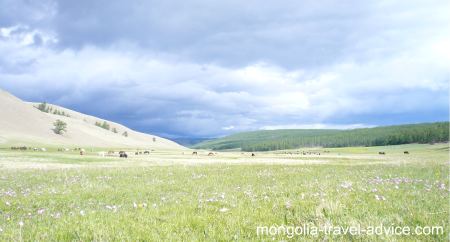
(169, 196)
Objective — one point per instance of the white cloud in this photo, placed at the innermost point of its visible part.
(320, 66)
(231, 127)
(22, 35)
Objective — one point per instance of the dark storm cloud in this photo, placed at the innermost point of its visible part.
(290, 34)
(207, 68)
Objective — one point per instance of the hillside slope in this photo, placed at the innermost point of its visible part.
(265, 140)
(21, 123)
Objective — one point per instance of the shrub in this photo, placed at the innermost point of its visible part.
(43, 107)
(59, 127)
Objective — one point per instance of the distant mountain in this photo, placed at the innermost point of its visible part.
(265, 140)
(24, 123)
(187, 141)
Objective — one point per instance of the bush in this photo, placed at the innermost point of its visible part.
(59, 127)
(103, 125)
(43, 107)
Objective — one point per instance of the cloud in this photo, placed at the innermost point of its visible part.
(233, 66)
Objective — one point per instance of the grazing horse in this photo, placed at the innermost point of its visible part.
(195, 153)
(210, 154)
(381, 153)
(253, 154)
(122, 154)
(406, 152)
(146, 152)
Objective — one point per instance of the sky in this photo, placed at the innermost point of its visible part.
(211, 68)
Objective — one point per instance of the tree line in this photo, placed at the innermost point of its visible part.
(44, 107)
(268, 140)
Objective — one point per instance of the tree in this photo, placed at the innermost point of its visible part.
(59, 127)
(105, 125)
(43, 107)
(125, 134)
(114, 130)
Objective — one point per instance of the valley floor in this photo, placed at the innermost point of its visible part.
(174, 195)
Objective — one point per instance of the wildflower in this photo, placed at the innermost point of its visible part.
(21, 223)
(113, 208)
(41, 211)
(134, 205)
(8, 203)
(224, 210)
(56, 215)
(288, 205)
(82, 213)
(212, 199)
(346, 185)
(379, 197)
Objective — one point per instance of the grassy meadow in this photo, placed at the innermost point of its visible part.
(176, 196)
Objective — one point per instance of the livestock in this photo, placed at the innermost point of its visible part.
(122, 154)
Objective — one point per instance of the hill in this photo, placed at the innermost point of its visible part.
(190, 141)
(22, 123)
(266, 140)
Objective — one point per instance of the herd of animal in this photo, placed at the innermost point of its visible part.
(383, 153)
(124, 154)
(23, 148)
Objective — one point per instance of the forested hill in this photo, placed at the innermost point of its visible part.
(266, 140)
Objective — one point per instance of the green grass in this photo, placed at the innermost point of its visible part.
(220, 201)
